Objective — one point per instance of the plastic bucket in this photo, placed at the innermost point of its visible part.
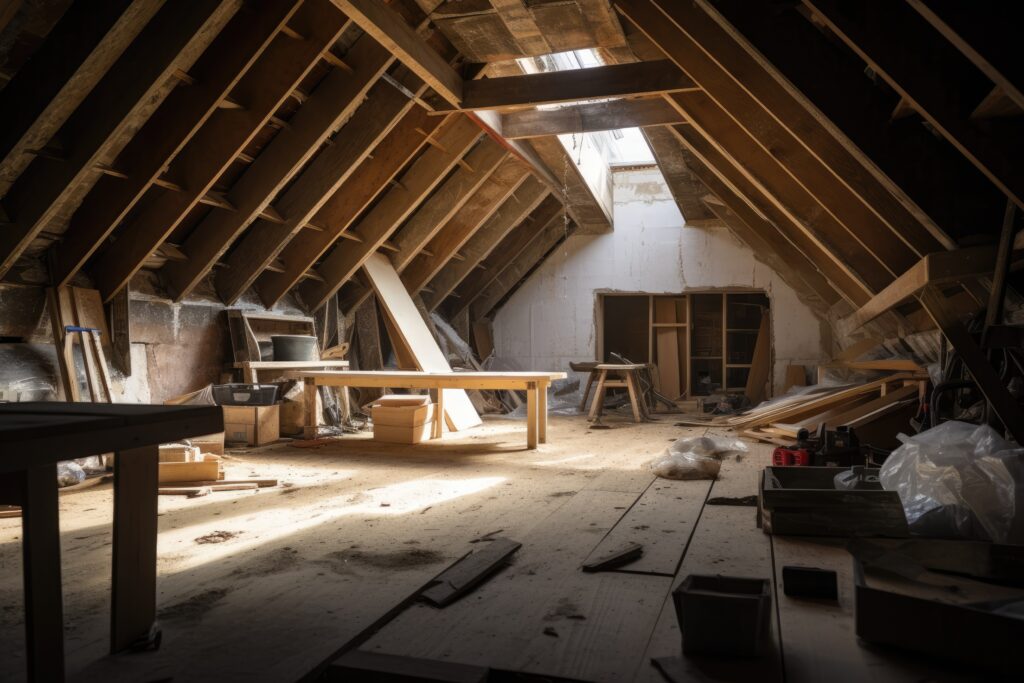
(294, 347)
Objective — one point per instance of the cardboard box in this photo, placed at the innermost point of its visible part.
(410, 435)
(402, 416)
(252, 425)
(406, 419)
(209, 443)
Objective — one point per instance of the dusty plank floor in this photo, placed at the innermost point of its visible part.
(299, 570)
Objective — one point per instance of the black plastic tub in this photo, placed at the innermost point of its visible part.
(724, 615)
(245, 394)
(294, 347)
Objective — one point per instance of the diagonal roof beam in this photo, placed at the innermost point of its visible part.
(498, 188)
(390, 30)
(103, 123)
(826, 77)
(477, 246)
(764, 238)
(848, 250)
(339, 96)
(185, 110)
(731, 172)
(515, 274)
(263, 240)
(899, 45)
(431, 217)
(990, 45)
(782, 126)
(195, 169)
(508, 250)
(44, 92)
(455, 138)
(685, 188)
(339, 212)
(589, 118)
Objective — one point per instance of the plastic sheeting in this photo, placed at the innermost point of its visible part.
(695, 457)
(957, 480)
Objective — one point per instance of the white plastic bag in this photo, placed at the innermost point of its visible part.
(956, 480)
(695, 457)
(69, 473)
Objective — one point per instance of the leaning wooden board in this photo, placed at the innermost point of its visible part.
(408, 323)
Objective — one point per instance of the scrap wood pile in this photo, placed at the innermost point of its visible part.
(186, 471)
(853, 405)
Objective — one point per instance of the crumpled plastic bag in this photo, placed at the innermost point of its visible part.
(695, 457)
(957, 480)
(69, 473)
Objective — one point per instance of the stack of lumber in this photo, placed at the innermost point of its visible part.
(854, 405)
(186, 471)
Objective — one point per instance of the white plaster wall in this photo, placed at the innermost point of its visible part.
(549, 321)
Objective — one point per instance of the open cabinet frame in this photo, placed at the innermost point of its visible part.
(726, 356)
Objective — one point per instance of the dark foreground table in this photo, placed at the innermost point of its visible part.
(33, 438)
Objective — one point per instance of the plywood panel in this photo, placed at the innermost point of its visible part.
(412, 330)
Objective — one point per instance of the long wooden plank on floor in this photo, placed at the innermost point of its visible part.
(543, 616)
(661, 520)
(407, 320)
(726, 541)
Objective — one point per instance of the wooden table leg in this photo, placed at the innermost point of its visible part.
(133, 612)
(542, 412)
(438, 428)
(44, 610)
(634, 395)
(309, 400)
(596, 408)
(586, 391)
(531, 415)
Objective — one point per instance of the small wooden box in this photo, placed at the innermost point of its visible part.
(405, 419)
(252, 425)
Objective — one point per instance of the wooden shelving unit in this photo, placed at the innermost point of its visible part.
(690, 337)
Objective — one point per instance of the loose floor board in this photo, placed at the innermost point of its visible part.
(543, 615)
(661, 520)
(726, 541)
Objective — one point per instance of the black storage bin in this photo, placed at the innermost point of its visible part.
(245, 394)
(724, 615)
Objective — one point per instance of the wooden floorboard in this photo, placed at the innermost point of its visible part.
(726, 541)
(661, 520)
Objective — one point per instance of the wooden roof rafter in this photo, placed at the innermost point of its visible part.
(164, 134)
(475, 248)
(899, 45)
(510, 175)
(549, 212)
(457, 135)
(338, 97)
(106, 118)
(223, 137)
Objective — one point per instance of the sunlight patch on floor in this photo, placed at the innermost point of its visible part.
(270, 525)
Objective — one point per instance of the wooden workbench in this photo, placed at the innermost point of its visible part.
(251, 368)
(535, 384)
(35, 437)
